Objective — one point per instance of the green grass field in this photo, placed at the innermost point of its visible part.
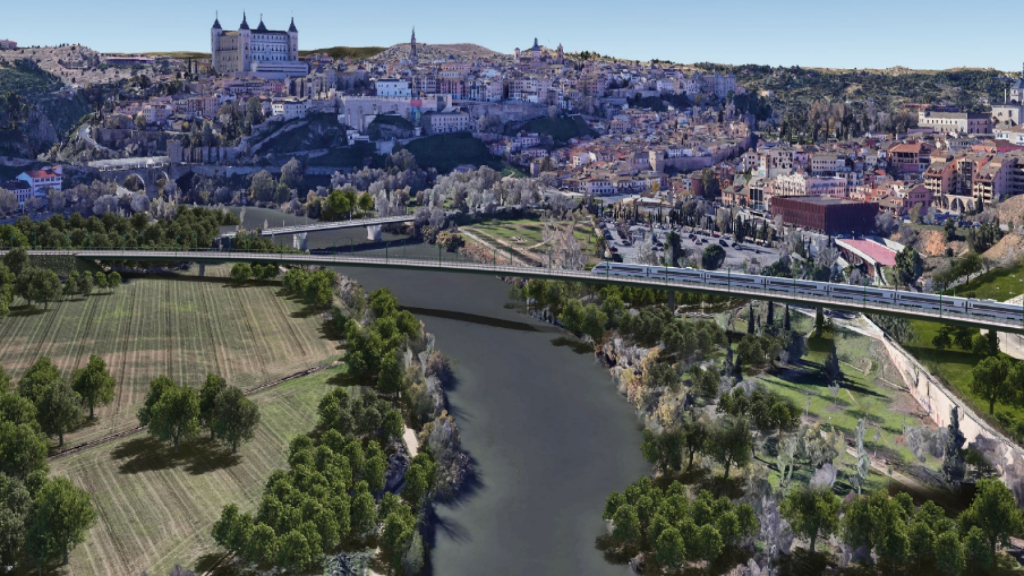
(180, 328)
(156, 509)
(526, 235)
(998, 284)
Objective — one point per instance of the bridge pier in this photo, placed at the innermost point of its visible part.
(672, 301)
(373, 233)
(202, 270)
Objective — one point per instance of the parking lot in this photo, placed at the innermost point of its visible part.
(737, 254)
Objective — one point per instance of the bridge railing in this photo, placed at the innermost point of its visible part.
(504, 264)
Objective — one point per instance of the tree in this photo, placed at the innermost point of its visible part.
(175, 416)
(953, 466)
(208, 394)
(694, 436)
(86, 284)
(812, 513)
(60, 410)
(241, 272)
(236, 417)
(833, 371)
(23, 448)
(363, 511)
(949, 553)
(15, 506)
(101, 280)
(94, 384)
(40, 376)
(113, 281)
(995, 513)
(262, 187)
(43, 286)
(819, 322)
(390, 379)
(730, 443)
(292, 173)
(671, 552)
(365, 202)
(990, 381)
(71, 284)
(909, 266)
(62, 515)
(416, 485)
(157, 387)
(713, 257)
(626, 532)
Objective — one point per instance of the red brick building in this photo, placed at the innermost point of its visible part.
(826, 214)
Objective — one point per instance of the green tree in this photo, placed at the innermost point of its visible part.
(157, 387)
(235, 417)
(85, 285)
(949, 554)
(416, 485)
(713, 257)
(812, 513)
(396, 535)
(241, 272)
(175, 416)
(365, 202)
(23, 449)
(39, 376)
(730, 443)
(363, 512)
(60, 410)
(390, 379)
(94, 384)
(990, 381)
(113, 281)
(909, 266)
(71, 284)
(671, 551)
(212, 388)
(993, 511)
(101, 280)
(62, 515)
(294, 551)
(262, 187)
(627, 527)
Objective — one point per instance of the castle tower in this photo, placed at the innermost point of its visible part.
(215, 32)
(561, 54)
(244, 41)
(517, 53)
(293, 41)
(413, 56)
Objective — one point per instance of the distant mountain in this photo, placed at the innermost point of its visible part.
(433, 52)
(341, 52)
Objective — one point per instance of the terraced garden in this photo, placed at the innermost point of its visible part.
(182, 328)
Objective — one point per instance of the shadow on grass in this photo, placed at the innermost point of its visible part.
(25, 311)
(802, 562)
(147, 454)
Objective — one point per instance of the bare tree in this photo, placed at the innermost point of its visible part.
(565, 249)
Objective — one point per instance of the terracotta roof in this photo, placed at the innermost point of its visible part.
(873, 250)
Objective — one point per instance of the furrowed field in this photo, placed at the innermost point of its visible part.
(156, 509)
(181, 328)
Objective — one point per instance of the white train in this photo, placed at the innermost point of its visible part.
(968, 308)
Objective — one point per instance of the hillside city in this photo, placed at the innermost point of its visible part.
(441, 309)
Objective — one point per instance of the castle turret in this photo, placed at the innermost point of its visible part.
(293, 41)
(215, 32)
(244, 42)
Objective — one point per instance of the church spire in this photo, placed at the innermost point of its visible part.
(292, 28)
(245, 24)
(216, 21)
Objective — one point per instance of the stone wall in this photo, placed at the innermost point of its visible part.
(1001, 452)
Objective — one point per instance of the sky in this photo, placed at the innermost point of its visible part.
(811, 33)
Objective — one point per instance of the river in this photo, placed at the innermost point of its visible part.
(549, 435)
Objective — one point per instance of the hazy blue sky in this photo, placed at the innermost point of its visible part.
(864, 34)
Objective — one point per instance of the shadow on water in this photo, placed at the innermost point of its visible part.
(449, 528)
(478, 319)
(147, 454)
(577, 346)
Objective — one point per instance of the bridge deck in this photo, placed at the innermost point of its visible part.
(496, 269)
(341, 224)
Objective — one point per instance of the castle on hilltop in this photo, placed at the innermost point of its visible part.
(260, 52)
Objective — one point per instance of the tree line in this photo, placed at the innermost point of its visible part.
(18, 277)
(44, 518)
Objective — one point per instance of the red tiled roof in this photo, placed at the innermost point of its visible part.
(36, 174)
(877, 252)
